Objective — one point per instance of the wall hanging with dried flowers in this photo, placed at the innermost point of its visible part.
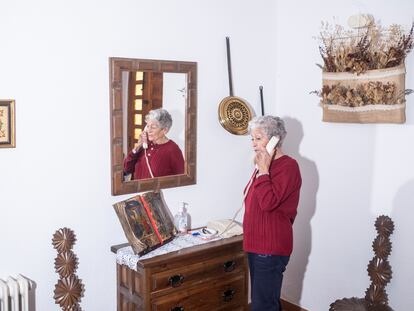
(363, 78)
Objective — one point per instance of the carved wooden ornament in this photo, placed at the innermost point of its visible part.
(69, 288)
(63, 240)
(379, 271)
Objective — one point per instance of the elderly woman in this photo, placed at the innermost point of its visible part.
(155, 155)
(271, 201)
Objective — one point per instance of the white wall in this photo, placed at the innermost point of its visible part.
(54, 63)
(174, 97)
(352, 173)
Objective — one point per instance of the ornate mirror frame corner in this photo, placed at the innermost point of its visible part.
(117, 66)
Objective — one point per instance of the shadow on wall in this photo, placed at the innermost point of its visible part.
(402, 254)
(302, 231)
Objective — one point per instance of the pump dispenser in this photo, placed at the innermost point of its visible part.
(181, 218)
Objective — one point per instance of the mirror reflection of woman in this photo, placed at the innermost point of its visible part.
(155, 155)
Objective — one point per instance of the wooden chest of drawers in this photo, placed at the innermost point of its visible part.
(211, 277)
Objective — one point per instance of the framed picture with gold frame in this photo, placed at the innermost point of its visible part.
(7, 124)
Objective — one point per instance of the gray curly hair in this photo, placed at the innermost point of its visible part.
(162, 116)
(272, 126)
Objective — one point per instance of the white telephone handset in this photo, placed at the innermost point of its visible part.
(272, 144)
(145, 145)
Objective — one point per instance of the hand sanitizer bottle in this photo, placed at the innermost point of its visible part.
(181, 219)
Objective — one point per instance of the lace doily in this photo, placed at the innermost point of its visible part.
(125, 256)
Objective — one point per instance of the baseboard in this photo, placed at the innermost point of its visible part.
(288, 306)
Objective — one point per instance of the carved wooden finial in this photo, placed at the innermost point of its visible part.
(66, 264)
(69, 288)
(384, 226)
(379, 271)
(68, 292)
(63, 240)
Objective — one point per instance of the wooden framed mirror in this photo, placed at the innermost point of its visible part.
(140, 85)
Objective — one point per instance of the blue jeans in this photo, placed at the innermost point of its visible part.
(266, 275)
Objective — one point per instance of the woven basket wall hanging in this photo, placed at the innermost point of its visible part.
(363, 78)
(381, 83)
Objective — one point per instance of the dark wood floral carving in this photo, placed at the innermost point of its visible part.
(379, 271)
(69, 288)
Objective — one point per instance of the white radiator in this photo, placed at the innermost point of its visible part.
(17, 294)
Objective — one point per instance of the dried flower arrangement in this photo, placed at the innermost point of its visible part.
(375, 48)
(369, 93)
(364, 72)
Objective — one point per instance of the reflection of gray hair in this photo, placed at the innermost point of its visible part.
(272, 126)
(162, 116)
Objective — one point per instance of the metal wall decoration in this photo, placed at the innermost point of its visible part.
(261, 99)
(234, 113)
(379, 271)
(69, 288)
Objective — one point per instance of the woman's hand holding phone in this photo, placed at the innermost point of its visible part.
(263, 160)
(142, 142)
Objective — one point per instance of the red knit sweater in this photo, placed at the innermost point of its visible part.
(271, 205)
(164, 159)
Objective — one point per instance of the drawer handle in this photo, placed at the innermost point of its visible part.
(229, 266)
(228, 295)
(176, 280)
(177, 309)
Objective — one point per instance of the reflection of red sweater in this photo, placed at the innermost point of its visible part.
(165, 159)
(271, 205)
